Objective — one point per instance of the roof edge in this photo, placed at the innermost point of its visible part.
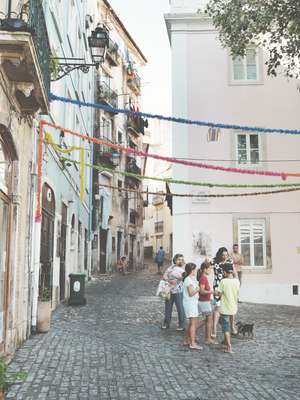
(108, 5)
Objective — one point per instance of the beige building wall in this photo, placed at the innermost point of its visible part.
(17, 134)
(124, 234)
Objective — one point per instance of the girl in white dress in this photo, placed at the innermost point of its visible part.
(190, 304)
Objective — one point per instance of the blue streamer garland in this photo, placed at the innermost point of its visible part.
(53, 97)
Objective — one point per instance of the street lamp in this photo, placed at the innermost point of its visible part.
(98, 43)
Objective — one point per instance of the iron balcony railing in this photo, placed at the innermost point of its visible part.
(106, 149)
(112, 53)
(107, 95)
(132, 167)
(134, 82)
(28, 16)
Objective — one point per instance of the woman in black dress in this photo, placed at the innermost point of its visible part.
(222, 257)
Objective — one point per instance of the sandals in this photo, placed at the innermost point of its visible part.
(199, 348)
(228, 351)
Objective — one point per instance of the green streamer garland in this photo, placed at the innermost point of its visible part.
(182, 182)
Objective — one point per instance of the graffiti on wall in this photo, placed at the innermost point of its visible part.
(202, 244)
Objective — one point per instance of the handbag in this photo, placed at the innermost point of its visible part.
(163, 290)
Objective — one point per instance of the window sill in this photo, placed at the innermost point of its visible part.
(245, 83)
(249, 165)
(256, 270)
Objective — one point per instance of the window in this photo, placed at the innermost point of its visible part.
(246, 69)
(113, 244)
(159, 227)
(252, 242)
(106, 128)
(248, 148)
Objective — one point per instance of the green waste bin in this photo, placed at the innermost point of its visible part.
(77, 290)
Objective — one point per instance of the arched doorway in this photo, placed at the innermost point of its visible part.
(47, 239)
(7, 155)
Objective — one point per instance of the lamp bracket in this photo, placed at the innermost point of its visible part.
(67, 65)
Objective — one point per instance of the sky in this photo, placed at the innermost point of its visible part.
(144, 19)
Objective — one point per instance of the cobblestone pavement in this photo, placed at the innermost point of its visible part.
(114, 349)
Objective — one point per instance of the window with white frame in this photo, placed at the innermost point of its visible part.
(248, 148)
(252, 242)
(106, 128)
(246, 69)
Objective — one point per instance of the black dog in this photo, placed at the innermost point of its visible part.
(245, 328)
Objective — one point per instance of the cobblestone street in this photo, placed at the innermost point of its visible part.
(114, 349)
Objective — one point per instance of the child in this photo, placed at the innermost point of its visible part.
(190, 304)
(122, 265)
(205, 307)
(228, 291)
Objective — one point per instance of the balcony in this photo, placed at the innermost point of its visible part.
(132, 168)
(105, 155)
(112, 54)
(134, 82)
(106, 95)
(133, 217)
(24, 54)
(136, 125)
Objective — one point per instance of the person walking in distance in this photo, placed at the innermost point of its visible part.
(238, 261)
(159, 259)
(173, 276)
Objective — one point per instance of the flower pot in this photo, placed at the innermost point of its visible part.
(43, 316)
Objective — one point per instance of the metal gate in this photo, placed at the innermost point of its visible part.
(47, 239)
(63, 247)
(103, 246)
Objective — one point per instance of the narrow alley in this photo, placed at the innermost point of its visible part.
(114, 349)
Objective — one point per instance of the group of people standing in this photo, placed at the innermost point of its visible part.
(205, 296)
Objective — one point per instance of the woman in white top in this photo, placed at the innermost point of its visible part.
(190, 304)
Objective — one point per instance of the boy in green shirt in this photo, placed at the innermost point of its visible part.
(228, 290)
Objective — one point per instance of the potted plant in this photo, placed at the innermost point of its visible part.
(8, 378)
(44, 310)
(53, 65)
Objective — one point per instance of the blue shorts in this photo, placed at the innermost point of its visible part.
(225, 323)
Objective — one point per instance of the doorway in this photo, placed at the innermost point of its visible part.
(47, 239)
(4, 229)
(131, 252)
(63, 250)
(119, 243)
(85, 249)
(103, 246)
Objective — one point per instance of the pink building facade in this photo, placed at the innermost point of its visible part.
(209, 85)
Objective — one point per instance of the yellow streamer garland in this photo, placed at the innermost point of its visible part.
(49, 140)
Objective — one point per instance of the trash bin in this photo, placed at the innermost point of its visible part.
(77, 290)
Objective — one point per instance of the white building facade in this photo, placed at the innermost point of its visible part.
(209, 85)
